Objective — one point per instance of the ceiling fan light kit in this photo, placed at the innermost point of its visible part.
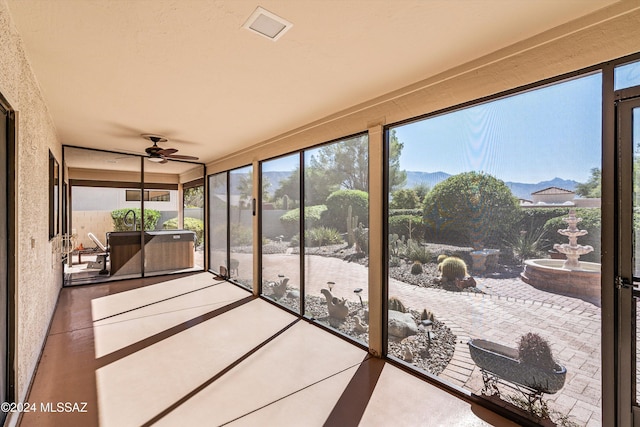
(157, 154)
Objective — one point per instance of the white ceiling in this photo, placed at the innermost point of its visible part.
(111, 70)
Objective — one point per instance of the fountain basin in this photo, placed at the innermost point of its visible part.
(550, 275)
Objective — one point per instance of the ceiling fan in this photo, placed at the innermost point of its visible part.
(162, 155)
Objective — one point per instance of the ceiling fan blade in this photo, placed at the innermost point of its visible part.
(178, 156)
(167, 151)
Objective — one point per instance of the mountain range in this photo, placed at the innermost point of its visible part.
(519, 189)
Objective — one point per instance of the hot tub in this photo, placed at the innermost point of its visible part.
(164, 250)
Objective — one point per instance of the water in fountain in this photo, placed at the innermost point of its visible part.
(572, 249)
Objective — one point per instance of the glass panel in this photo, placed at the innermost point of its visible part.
(637, 339)
(636, 235)
(281, 230)
(336, 192)
(99, 209)
(636, 190)
(241, 223)
(626, 76)
(174, 233)
(193, 205)
(218, 224)
(494, 283)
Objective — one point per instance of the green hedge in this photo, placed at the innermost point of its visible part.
(338, 204)
(151, 217)
(191, 224)
(291, 220)
(399, 225)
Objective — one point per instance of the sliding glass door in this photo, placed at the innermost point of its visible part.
(128, 216)
(494, 223)
(105, 206)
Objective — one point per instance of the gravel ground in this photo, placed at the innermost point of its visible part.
(430, 355)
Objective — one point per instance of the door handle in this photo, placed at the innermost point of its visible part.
(624, 283)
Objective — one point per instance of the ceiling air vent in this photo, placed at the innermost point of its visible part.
(267, 24)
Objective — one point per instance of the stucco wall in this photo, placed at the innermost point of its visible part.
(39, 277)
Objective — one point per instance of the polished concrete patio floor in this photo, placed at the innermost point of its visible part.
(197, 351)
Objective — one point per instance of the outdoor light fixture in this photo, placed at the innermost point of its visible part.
(330, 285)
(428, 325)
(357, 292)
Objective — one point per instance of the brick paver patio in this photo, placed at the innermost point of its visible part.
(507, 309)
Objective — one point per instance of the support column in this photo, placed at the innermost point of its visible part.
(180, 203)
(376, 240)
(256, 227)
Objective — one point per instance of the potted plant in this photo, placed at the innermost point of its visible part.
(530, 365)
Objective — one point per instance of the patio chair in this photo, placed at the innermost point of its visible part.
(101, 257)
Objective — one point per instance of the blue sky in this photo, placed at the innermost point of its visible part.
(554, 131)
(550, 132)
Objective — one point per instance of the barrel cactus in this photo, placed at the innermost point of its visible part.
(453, 268)
(416, 268)
(442, 257)
(397, 305)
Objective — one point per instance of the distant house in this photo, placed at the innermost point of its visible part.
(558, 197)
(553, 196)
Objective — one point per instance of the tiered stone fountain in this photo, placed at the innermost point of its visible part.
(568, 277)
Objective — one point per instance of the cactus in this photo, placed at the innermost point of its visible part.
(397, 305)
(426, 315)
(535, 350)
(453, 268)
(442, 257)
(416, 268)
(352, 223)
(362, 238)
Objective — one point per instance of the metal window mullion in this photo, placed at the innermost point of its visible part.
(229, 224)
(142, 249)
(301, 233)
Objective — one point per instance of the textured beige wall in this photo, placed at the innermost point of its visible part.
(96, 222)
(39, 277)
(607, 34)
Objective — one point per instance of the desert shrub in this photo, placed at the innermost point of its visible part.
(406, 225)
(535, 350)
(151, 217)
(529, 243)
(397, 305)
(338, 204)
(404, 199)
(291, 220)
(417, 252)
(318, 236)
(321, 236)
(590, 222)
(453, 268)
(470, 208)
(191, 224)
(241, 235)
(416, 268)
